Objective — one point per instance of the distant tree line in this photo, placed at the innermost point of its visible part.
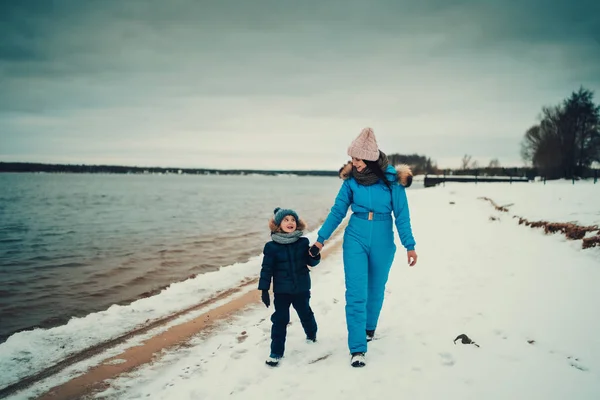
(423, 165)
(419, 164)
(566, 141)
(468, 166)
(117, 169)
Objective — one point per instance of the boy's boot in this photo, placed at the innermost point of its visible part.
(273, 360)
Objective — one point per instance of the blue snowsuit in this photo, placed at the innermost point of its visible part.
(368, 248)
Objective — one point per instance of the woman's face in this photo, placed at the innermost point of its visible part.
(358, 164)
(288, 224)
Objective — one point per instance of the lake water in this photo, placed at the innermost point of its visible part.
(72, 244)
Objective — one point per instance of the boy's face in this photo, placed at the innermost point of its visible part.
(288, 224)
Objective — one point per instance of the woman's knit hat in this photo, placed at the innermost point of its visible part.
(364, 147)
(281, 213)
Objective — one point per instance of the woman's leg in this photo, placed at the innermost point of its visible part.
(356, 276)
(381, 257)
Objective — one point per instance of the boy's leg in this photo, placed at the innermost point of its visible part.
(301, 303)
(356, 277)
(380, 261)
(280, 319)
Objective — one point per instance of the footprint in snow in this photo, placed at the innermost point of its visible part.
(447, 359)
(238, 354)
(575, 363)
(242, 337)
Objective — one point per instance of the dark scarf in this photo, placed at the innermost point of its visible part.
(368, 177)
(286, 238)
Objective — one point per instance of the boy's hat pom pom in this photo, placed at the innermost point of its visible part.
(277, 209)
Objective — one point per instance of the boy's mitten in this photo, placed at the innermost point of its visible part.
(265, 298)
(314, 251)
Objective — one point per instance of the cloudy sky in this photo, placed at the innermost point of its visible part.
(282, 84)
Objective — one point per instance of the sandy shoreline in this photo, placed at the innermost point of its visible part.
(93, 380)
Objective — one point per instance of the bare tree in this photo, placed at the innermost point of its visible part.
(494, 163)
(542, 143)
(466, 160)
(530, 143)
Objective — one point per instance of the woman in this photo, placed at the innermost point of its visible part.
(374, 190)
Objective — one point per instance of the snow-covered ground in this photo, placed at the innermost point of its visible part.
(528, 299)
(556, 201)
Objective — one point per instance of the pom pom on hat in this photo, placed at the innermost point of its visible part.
(364, 147)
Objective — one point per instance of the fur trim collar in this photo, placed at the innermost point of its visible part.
(346, 171)
(403, 173)
(300, 225)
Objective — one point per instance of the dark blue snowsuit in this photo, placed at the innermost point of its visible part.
(368, 248)
(287, 264)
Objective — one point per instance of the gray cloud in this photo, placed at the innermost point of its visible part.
(178, 81)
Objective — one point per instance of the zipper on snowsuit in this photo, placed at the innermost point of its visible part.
(292, 269)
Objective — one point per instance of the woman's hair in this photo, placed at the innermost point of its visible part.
(376, 169)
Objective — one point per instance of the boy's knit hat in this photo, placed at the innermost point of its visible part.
(281, 213)
(364, 147)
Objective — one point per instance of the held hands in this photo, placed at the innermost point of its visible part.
(315, 249)
(412, 257)
(265, 298)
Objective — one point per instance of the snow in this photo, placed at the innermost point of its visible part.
(528, 299)
(557, 201)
